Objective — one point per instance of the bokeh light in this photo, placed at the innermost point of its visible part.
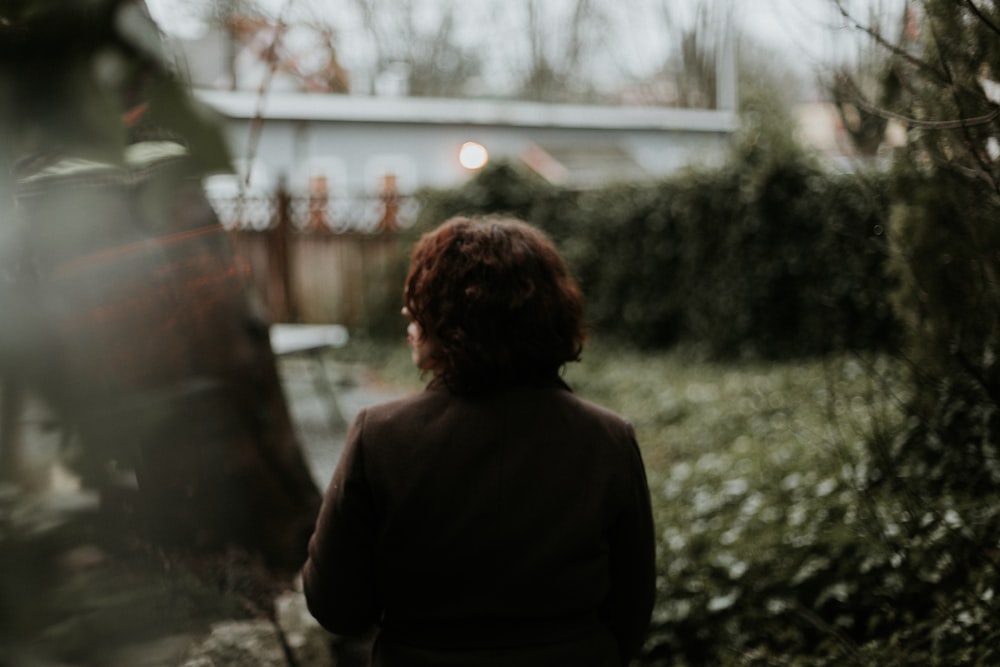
(473, 155)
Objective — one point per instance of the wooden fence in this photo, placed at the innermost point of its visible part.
(318, 263)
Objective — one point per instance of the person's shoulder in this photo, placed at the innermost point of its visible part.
(595, 413)
(400, 409)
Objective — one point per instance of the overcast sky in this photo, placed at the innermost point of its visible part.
(808, 31)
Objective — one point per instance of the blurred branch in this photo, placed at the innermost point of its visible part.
(876, 34)
(926, 124)
(982, 17)
(257, 122)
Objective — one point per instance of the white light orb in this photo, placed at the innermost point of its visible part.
(473, 155)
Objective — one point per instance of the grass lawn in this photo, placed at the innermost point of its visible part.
(744, 417)
(741, 421)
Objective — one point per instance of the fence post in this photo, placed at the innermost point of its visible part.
(284, 308)
(389, 195)
(319, 200)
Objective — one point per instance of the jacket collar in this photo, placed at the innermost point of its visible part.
(556, 382)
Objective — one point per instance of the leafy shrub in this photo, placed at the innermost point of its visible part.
(796, 266)
(626, 249)
(947, 258)
(500, 187)
(781, 540)
(383, 291)
(763, 258)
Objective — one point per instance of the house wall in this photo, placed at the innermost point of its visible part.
(355, 156)
(333, 151)
(354, 142)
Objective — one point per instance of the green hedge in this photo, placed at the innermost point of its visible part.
(773, 260)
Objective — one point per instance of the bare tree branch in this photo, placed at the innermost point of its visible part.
(895, 49)
(257, 122)
(874, 109)
(982, 17)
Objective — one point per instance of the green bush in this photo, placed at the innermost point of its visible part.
(781, 540)
(947, 259)
(794, 268)
(501, 188)
(626, 249)
(768, 258)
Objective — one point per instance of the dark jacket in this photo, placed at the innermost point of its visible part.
(513, 529)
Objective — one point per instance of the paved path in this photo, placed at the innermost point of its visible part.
(355, 387)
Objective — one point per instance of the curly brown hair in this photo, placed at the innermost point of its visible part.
(497, 300)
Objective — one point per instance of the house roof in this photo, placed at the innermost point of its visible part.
(357, 108)
(584, 165)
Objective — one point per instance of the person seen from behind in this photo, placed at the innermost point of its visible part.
(495, 519)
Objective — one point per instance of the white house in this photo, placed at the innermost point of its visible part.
(354, 143)
(336, 146)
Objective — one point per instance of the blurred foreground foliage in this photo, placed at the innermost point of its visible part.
(125, 313)
(75, 74)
